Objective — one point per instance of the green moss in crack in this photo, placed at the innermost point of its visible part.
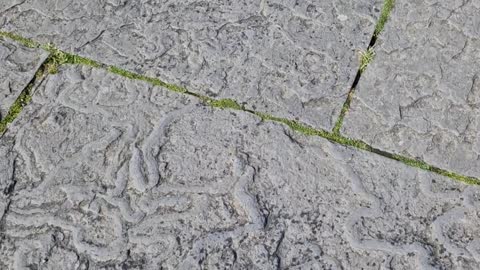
(358, 144)
(25, 96)
(24, 41)
(310, 131)
(78, 60)
(154, 81)
(60, 57)
(292, 124)
(462, 178)
(343, 112)
(384, 15)
(224, 103)
(22, 100)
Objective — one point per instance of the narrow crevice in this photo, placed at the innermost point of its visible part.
(25, 96)
(59, 57)
(365, 58)
(8, 191)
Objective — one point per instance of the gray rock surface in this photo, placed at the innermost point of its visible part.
(108, 173)
(296, 59)
(421, 95)
(18, 65)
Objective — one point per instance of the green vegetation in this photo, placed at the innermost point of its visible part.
(26, 95)
(343, 112)
(24, 41)
(58, 57)
(153, 81)
(358, 144)
(366, 58)
(22, 100)
(384, 15)
(225, 104)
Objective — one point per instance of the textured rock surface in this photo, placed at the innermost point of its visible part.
(18, 65)
(104, 173)
(295, 59)
(421, 95)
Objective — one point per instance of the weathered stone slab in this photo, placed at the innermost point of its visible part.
(114, 174)
(296, 59)
(421, 95)
(18, 65)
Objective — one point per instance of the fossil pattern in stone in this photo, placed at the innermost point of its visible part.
(18, 65)
(295, 59)
(102, 172)
(421, 95)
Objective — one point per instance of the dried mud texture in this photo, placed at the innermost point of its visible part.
(292, 59)
(421, 95)
(101, 172)
(18, 65)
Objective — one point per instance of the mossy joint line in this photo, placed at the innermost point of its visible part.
(26, 95)
(366, 57)
(58, 57)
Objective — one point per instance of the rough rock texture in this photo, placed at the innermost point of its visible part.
(295, 59)
(18, 65)
(421, 95)
(107, 173)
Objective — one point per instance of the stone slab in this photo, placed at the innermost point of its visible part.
(18, 65)
(114, 174)
(421, 95)
(295, 59)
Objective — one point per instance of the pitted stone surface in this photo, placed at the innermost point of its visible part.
(18, 65)
(295, 59)
(109, 173)
(421, 95)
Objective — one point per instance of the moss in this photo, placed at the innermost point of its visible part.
(153, 81)
(15, 109)
(425, 166)
(78, 60)
(24, 41)
(343, 112)
(59, 57)
(335, 137)
(384, 15)
(224, 104)
(25, 96)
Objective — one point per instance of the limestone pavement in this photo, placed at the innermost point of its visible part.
(101, 171)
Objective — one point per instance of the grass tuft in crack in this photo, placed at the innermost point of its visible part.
(26, 95)
(384, 14)
(366, 58)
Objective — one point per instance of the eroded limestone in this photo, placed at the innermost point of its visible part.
(18, 65)
(293, 59)
(112, 173)
(421, 95)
